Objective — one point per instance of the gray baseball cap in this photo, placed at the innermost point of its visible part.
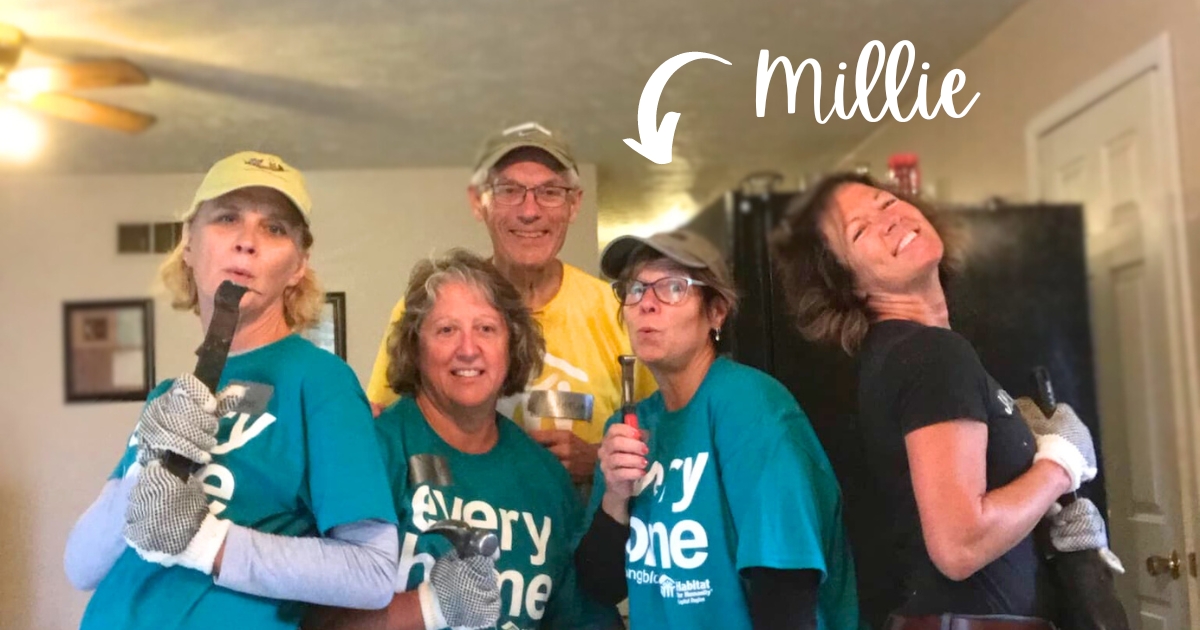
(682, 246)
(529, 134)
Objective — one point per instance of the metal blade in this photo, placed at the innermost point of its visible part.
(88, 112)
(551, 403)
(80, 75)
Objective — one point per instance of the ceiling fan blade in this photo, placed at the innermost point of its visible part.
(11, 42)
(79, 75)
(88, 112)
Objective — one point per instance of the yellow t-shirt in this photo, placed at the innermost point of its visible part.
(583, 341)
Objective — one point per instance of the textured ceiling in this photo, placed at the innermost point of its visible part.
(404, 83)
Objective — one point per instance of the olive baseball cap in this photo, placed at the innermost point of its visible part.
(251, 168)
(529, 134)
(682, 246)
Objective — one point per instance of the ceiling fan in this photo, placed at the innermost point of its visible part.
(42, 89)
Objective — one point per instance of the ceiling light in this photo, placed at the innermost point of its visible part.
(29, 82)
(20, 135)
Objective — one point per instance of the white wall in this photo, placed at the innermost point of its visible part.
(1041, 53)
(58, 243)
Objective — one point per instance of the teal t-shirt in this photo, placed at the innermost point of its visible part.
(735, 479)
(517, 489)
(297, 458)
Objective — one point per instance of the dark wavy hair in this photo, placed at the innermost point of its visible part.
(526, 346)
(819, 289)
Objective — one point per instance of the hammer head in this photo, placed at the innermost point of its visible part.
(467, 541)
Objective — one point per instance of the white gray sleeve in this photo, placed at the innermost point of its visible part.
(97, 539)
(355, 567)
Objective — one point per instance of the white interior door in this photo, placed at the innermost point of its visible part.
(1105, 156)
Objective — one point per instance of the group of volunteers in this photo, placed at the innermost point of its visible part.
(317, 505)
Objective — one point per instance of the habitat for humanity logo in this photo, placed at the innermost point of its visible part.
(685, 592)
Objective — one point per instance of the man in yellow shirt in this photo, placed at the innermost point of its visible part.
(526, 190)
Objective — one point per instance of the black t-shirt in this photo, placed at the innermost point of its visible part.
(912, 376)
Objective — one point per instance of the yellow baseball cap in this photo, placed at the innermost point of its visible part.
(251, 168)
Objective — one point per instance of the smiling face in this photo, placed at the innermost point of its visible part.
(526, 235)
(463, 349)
(669, 336)
(252, 236)
(887, 243)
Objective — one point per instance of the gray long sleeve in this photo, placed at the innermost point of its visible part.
(97, 539)
(355, 567)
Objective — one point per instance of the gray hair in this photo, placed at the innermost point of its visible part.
(526, 346)
(483, 176)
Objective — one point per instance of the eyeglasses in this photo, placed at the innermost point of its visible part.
(668, 290)
(547, 196)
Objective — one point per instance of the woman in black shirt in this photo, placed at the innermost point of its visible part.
(962, 480)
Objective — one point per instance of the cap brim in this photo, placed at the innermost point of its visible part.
(225, 190)
(617, 253)
(494, 157)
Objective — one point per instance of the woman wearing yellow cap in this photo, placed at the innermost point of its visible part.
(292, 504)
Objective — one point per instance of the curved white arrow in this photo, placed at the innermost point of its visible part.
(656, 142)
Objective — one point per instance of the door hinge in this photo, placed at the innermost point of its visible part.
(1192, 564)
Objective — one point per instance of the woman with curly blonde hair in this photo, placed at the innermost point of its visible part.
(291, 505)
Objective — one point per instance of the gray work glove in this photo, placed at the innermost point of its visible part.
(184, 420)
(460, 593)
(168, 521)
(1063, 439)
(1079, 527)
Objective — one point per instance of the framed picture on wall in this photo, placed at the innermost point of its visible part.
(330, 332)
(108, 350)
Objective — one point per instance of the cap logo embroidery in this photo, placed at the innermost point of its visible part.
(267, 164)
(525, 128)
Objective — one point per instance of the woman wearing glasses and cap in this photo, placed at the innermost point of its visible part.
(721, 498)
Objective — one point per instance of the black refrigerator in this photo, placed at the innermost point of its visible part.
(1021, 300)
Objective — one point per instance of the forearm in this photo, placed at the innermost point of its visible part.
(97, 541)
(616, 507)
(600, 560)
(355, 567)
(988, 527)
(403, 613)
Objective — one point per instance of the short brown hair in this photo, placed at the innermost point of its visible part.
(302, 304)
(715, 290)
(819, 288)
(525, 343)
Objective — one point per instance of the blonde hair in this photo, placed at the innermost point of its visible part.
(302, 304)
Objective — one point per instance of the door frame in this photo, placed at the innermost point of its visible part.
(1181, 334)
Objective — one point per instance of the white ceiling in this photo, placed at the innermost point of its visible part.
(348, 84)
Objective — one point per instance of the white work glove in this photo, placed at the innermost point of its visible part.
(168, 522)
(1063, 439)
(460, 593)
(184, 420)
(1080, 527)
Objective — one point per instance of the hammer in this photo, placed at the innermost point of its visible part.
(468, 541)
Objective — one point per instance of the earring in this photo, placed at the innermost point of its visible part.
(716, 334)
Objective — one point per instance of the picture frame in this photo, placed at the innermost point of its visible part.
(330, 332)
(108, 350)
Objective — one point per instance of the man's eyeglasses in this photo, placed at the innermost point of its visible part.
(547, 196)
(668, 290)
